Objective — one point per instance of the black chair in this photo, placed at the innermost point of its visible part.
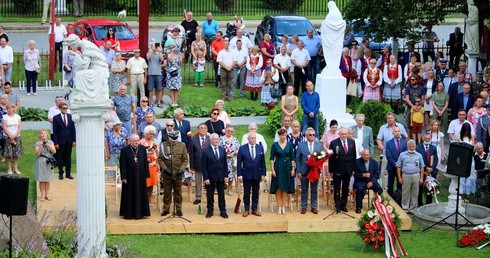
(484, 188)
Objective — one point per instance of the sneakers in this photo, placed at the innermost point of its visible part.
(28, 94)
(35, 94)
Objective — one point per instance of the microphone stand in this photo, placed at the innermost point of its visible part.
(336, 184)
(174, 181)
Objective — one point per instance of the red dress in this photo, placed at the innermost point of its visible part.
(269, 47)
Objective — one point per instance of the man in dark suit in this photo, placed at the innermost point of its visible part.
(366, 177)
(251, 170)
(393, 149)
(454, 90)
(183, 126)
(429, 154)
(215, 175)
(64, 138)
(442, 72)
(342, 165)
(410, 52)
(198, 144)
(455, 44)
(304, 150)
(465, 99)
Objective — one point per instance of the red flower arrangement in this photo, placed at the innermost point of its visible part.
(315, 162)
(475, 236)
(371, 227)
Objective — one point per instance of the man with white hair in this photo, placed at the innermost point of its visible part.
(246, 43)
(183, 125)
(410, 170)
(252, 127)
(364, 133)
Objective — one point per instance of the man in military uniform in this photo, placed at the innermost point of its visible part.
(173, 161)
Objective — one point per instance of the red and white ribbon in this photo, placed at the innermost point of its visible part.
(391, 237)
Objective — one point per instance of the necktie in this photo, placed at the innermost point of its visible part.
(64, 120)
(345, 147)
(310, 147)
(252, 152)
(180, 124)
(203, 142)
(398, 145)
(427, 154)
(216, 152)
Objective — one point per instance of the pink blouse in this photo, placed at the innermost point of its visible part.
(329, 137)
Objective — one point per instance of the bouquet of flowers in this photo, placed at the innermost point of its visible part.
(315, 162)
(432, 186)
(476, 235)
(380, 219)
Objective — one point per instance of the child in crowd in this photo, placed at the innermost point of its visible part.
(417, 120)
(199, 65)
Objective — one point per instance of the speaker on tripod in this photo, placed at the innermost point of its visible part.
(459, 164)
(13, 201)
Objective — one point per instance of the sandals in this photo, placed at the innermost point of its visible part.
(47, 198)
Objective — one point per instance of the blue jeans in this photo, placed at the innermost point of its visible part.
(313, 68)
(305, 182)
(310, 122)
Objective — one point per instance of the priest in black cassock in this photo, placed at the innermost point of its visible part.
(133, 164)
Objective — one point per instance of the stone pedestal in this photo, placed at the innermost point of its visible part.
(89, 122)
(472, 63)
(332, 91)
(451, 199)
(61, 8)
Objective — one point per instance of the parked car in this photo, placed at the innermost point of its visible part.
(96, 29)
(281, 25)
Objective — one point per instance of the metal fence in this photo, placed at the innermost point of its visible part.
(18, 76)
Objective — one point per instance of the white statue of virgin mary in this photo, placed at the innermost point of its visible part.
(332, 33)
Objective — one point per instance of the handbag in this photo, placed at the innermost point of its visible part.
(352, 89)
(276, 92)
(174, 73)
(66, 69)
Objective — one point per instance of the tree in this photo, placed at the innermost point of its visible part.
(382, 19)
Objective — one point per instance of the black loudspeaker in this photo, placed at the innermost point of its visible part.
(13, 195)
(460, 159)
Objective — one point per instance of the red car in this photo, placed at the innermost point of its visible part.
(96, 29)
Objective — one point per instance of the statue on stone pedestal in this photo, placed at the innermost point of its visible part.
(91, 77)
(332, 33)
(472, 35)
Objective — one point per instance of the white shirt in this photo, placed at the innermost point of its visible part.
(53, 111)
(59, 33)
(240, 55)
(360, 133)
(159, 137)
(6, 55)
(225, 57)
(136, 66)
(359, 147)
(300, 56)
(373, 71)
(289, 130)
(246, 43)
(447, 82)
(282, 60)
(392, 66)
(455, 128)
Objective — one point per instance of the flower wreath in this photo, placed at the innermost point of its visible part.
(475, 236)
(371, 227)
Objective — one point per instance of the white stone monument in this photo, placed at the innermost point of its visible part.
(89, 104)
(330, 84)
(472, 36)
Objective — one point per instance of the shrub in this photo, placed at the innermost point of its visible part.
(274, 122)
(225, 5)
(375, 113)
(290, 6)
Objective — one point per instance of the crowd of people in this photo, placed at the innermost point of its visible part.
(433, 93)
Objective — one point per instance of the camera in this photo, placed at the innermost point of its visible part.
(157, 45)
(176, 50)
(45, 142)
(51, 161)
(268, 68)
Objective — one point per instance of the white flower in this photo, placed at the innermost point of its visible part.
(487, 231)
(376, 219)
(389, 208)
(322, 152)
(314, 153)
(370, 214)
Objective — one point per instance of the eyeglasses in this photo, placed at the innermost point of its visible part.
(170, 125)
(144, 101)
(64, 108)
(311, 134)
(214, 113)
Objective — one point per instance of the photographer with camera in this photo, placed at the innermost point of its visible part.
(45, 162)
(173, 161)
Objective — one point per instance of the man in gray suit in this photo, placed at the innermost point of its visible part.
(304, 150)
(198, 144)
(364, 133)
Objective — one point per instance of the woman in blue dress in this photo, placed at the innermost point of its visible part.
(283, 166)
